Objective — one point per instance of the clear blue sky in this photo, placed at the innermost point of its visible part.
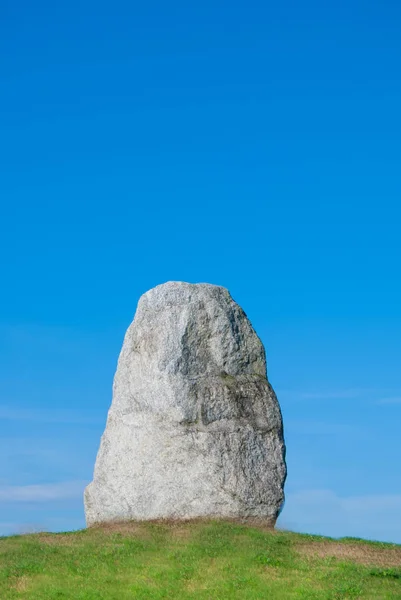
(255, 145)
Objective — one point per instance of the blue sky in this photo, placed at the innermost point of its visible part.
(253, 145)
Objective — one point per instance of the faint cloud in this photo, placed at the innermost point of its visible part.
(49, 415)
(344, 394)
(54, 339)
(311, 427)
(42, 493)
(41, 523)
(323, 511)
(375, 502)
(350, 504)
(333, 395)
(10, 528)
(393, 400)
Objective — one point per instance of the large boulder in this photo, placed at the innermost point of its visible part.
(194, 429)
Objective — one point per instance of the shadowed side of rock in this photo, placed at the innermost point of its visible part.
(194, 429)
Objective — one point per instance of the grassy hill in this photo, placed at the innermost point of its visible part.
(207, 560)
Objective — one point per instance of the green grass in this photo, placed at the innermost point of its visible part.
(207, 560)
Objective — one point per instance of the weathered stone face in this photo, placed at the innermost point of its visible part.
(194, 429)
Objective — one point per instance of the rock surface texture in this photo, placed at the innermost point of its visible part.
(194, 429)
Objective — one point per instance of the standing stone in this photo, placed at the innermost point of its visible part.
(195, 428)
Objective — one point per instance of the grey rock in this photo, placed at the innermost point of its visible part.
(195, 428)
